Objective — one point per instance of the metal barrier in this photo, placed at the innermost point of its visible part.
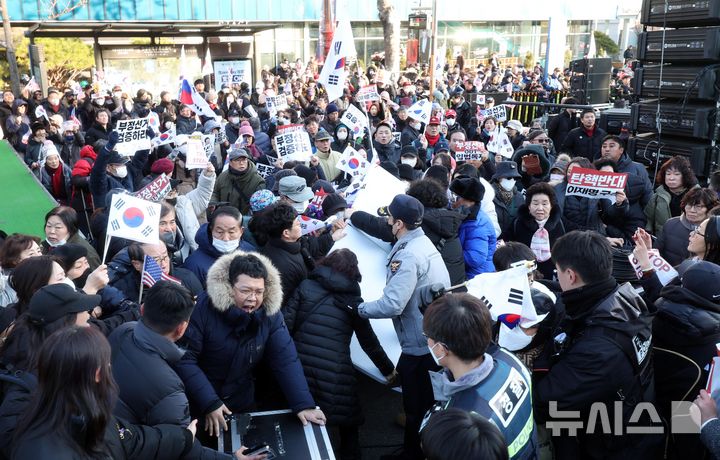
(526, 113)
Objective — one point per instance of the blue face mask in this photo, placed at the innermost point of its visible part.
(69, 138)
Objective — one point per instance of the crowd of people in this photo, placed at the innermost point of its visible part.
(250, 312)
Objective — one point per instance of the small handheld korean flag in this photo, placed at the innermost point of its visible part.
(421, 110)
(134, 219)
(352, 163)
(507, 295)
(309, 225)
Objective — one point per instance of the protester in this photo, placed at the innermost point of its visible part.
(320, 318)
(676, 178)
(100, 129)
(16, 248)
(221, 235)
(476, 372)
(55, 176)
(476, 233)
(76, 392)
(595, 363)
(61, 227)
(538, 225)
(586, 139)
(414, 263)
(508, 198)
(237, 184)
(239, 319)
(327, 158)
(560, 125)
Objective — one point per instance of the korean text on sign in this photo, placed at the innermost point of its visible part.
(467, 151)
(132, 136)
(595, 184)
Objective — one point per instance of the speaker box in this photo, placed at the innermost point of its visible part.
(681, 13)
(647, 150)
(596, 96)
(676, 81)
(590, 81)
(595, 65)
(681, 45)
(692, 121)
(613, 120)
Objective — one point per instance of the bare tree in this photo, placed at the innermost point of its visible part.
(391, 34)
(54, 9)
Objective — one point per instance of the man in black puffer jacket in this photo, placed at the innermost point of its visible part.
(685, 332)
(321, 321)
(150, 392)
(585, 140)
(604, 356)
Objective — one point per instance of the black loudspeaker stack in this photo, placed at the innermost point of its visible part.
(590, 80)
(677, 81)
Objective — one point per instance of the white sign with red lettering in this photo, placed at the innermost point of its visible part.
(664, 271)
(367, 94)
(595, 184)
(467, 151)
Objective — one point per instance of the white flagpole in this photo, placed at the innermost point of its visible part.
(367, 118)
(105, 249)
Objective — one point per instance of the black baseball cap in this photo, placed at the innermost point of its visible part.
(52, 302)
(405, 208)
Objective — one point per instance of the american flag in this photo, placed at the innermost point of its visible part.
(152, 273)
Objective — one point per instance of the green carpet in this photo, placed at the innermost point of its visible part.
(23, 201)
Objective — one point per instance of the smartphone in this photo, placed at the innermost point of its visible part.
(260, 449)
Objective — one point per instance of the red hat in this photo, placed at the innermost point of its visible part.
(434, 121)
(450, 113)
(162, 165)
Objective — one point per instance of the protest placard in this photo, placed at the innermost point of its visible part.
(367, 93)
(221, 136)
(208, 141)
(664, 271)
(354, 119)
(195, 154)
(155, 190)
(467, 151)
(595, 184)
(293, 146)
(132, 136)
(68, 125)
(282, 129)
(396, 136)
(498, 112)
(275, 103)
(480, 99)
(264, 170)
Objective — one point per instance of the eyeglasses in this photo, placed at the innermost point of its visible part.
(696, 207)
(247, 292)
(542, 141)
(162, 259)
(697, 232)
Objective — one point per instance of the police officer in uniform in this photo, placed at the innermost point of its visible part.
(412, 266)
(478, 375)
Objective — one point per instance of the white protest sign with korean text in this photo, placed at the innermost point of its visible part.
(498, 112)
(232, 72)
(195, 155)
(595, 184)
(275, 103)
(293, 146)
(133, 136)
(664, 271)
(367, 94)
(467, 151)
(354, 119)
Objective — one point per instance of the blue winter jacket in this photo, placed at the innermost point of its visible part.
(224, 345)
(477, 236)
(200, 261)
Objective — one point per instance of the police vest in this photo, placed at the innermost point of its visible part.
(503, 397)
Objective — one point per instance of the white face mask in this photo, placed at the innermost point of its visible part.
(229, 100)
(99, 101)
(117, 94)
(435, 358)
(557, 177)
(507, 184)
(283, 121)
(342, 135)
(226, 90)
(514, 339)
(416, 126)
(54, 245)
(168, 125)
(301, 207)
(450, 122)
(225, 246)
(234, 120)
(121, 172)
(409, 161)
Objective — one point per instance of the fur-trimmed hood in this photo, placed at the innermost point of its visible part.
(219, 288)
